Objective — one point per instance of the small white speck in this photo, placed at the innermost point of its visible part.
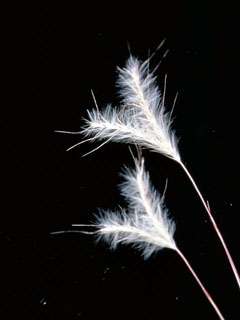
(106, 270)
(230, 204)
(177, 298)
(43, 302)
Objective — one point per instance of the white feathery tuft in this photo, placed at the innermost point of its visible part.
(145, 225)
(142, 118)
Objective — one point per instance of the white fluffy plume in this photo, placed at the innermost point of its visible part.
(145, 223)
(141, 119)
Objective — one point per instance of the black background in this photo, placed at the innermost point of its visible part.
(51, 57)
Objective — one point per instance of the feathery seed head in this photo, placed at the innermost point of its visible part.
(145, 224)
(141, 119)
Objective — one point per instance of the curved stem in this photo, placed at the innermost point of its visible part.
(206, 206)
(200, 284)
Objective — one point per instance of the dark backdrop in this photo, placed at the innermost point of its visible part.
(52, 56)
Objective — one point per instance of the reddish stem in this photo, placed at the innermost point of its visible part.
(200, 284)
(207, 207)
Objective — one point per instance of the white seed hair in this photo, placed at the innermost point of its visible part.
(141, 118)
(145, 223)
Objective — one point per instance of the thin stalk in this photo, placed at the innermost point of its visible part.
(201, 285)
(206, 206)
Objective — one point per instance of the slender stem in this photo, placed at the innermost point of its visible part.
(206, 206)
(200, 284)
